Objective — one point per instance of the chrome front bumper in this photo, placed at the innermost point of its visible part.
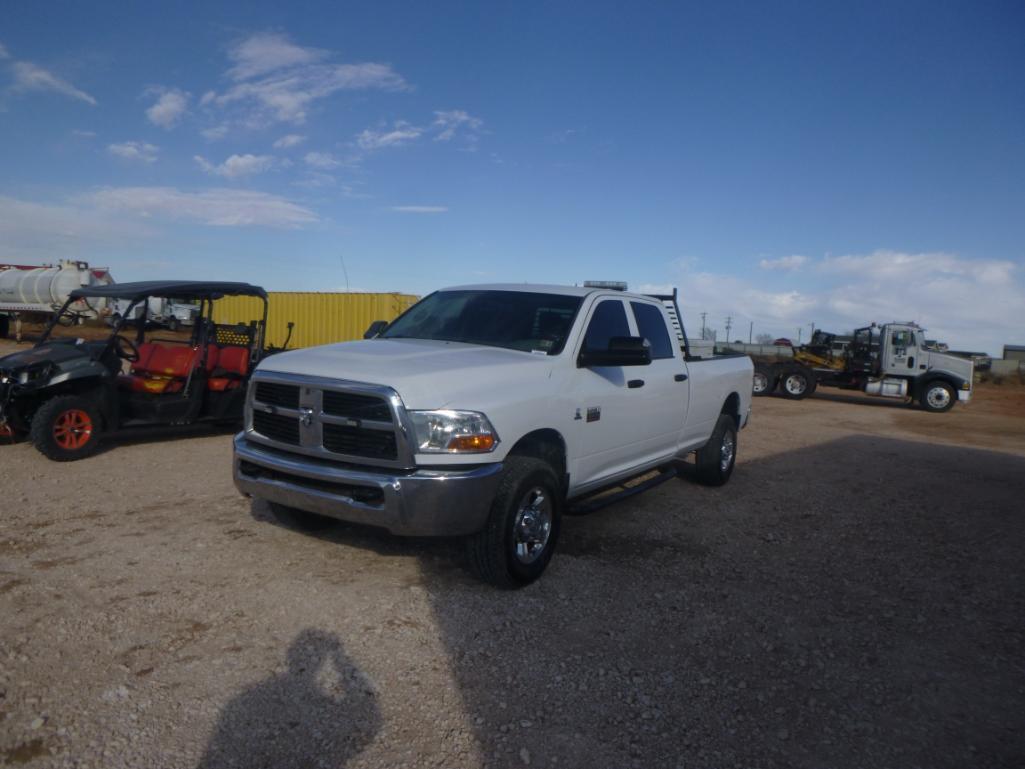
(964, 395)
(418, 503)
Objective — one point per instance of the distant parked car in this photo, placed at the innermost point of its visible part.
(781, 342)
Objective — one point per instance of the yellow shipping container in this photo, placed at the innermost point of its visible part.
(320, 318)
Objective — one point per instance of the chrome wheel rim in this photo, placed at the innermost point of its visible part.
(761, 382)
(938, 397)
(533, 525)
(796, 384)
(726, 451)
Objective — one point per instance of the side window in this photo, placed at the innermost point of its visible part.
(902, 339)
(608, 320)
(652, 326)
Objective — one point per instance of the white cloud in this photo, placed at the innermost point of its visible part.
(450, 122)
(140, 151)
(169, 107)
(289, 140)
(268, 51)
(29, 77)
(321, 160)
(34, 231)
(237, 165)
(3, 52)
(278, 81)
(420, 209)
(784, 263)
(401, 133)
(215, 133)
(82, 134)
(215, 207)
(968, 303)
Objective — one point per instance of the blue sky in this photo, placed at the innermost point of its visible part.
(784, 164)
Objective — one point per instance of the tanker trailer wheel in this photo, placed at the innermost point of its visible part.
(764, 381)
(5, 326)
(796, 383)
(67, 428)
(938, 397)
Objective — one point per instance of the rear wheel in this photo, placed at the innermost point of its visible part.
(519, 538)
(938, 397)
(796, 383)
(67, 428)
(764, 382)
(716, 459)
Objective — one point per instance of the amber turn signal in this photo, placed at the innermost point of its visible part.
(472, 443)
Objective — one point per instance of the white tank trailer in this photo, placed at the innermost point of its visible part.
(36, 293)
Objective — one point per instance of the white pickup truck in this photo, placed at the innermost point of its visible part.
(487, 412)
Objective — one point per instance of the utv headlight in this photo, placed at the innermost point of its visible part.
(453, 432)
(36, 373)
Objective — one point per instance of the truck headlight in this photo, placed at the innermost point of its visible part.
(453, 432)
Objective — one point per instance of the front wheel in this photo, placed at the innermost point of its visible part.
(716, 459)
(66, 428)
(518, 540)
(938, 397)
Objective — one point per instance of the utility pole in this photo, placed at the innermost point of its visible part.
(800, 329)
(703, 324)
(750, 332)
(812, 324)
(729, 325)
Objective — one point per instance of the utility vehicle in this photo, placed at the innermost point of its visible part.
(82, 382)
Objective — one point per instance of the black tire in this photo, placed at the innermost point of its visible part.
(763, 381)
(714, 462)
(937, 396)
(528, 494)
(172, 324)
(797, 383)
(302, 520)
(5, 326)
(67, 428)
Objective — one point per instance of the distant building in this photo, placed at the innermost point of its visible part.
(1014, 352)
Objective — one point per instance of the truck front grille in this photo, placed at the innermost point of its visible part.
(359, 441)
(332, 419)
(274, 394)
(277, 427)
(356, 406)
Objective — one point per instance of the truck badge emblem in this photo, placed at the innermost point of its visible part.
(593, 413)
(306, 416)
(578, 415)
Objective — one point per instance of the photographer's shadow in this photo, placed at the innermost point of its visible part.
(321, 712)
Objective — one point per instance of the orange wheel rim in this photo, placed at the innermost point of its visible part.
(72, 429)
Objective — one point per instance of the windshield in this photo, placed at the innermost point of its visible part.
(516, 320)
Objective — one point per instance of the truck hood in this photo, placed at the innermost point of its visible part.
(427, 374)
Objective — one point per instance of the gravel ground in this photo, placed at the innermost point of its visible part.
(853, 598)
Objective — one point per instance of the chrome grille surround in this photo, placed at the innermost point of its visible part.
(312, 418)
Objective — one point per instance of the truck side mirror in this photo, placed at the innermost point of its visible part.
(622, 351)
(375, 329)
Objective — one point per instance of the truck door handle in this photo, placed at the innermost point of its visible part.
(680, 378)
(633, 384)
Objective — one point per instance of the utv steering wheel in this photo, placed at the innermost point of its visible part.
(126, 349)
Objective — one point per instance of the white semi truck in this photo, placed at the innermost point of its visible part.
(486, 412)
(891, 361)
(35, 294)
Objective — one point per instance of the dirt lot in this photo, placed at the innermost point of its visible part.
(854, 597)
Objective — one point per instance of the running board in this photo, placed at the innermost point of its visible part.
(599, 500)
